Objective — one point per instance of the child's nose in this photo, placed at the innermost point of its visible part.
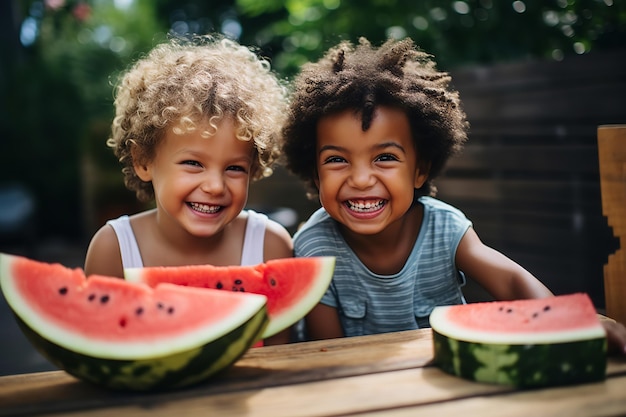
(212, 183)
(362, 177)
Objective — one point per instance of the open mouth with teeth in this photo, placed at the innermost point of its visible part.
(365, 206)
(204, 208)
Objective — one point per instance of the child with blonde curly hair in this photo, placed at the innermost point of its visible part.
(196, 121)
(368, 130)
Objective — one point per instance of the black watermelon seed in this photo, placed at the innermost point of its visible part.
(104, 299)
(509, 310)
(159, 305)
(546, 308)
(242, 289)
(238, 282)
(272, 282)
(91, 297)
(219, 286)
(63, 290)
(139, 311)
(170, 310)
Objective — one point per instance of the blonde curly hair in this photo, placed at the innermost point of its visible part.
(182, 82)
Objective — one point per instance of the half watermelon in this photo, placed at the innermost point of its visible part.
(526, 343)
(293, 286)
(125, 335)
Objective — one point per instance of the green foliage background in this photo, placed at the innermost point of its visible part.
(56, 87)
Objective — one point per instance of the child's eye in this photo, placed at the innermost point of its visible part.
(191, 163)
(237, 168)
(334, 160)
(386, 157)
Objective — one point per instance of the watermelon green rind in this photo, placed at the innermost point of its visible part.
(524, 343)
(174, 371)
(522, 365)
(132, 350)
(169, 359)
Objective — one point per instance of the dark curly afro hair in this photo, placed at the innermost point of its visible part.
(362, 77)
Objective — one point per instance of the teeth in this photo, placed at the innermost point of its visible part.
(365, 206)
(204, 208)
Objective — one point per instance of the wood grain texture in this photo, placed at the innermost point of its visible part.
(389, 374)
(270, 366)
(612, 159)
(598, 400)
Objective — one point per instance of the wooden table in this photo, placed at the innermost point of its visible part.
(383, 375)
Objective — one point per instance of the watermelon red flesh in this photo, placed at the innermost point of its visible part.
(293, 286)
(111, 318)
(527, 343)
(556, 319)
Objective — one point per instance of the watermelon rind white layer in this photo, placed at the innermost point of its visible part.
(440, 323)
(122, 350)
(314, 295)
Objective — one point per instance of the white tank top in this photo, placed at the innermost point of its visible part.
(251, 254)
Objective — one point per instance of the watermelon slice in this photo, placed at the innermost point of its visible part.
(125, 335)
(525, 343)
(293, 286)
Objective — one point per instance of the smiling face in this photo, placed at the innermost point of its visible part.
(200, 183)
(366, 179)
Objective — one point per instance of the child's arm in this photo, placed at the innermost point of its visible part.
(323, 323)
(506, 280)
(277, 243)
(616, 336)
(103, 255)
(500, 276)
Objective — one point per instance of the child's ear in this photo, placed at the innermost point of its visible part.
(421, 175)
(142, 172)
(141, 169)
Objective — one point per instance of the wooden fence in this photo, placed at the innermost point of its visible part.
(528, 177)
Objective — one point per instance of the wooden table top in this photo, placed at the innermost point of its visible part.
(382, 375)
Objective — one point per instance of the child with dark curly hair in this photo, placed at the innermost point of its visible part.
(196, 121)
(369, 129)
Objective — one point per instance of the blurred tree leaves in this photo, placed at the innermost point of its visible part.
(455, 32)
(57, 94)
(59, 60)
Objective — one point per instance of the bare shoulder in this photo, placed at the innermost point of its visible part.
(278, 242)
(103, 254)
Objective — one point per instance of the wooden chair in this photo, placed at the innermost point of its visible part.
(612, 158)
